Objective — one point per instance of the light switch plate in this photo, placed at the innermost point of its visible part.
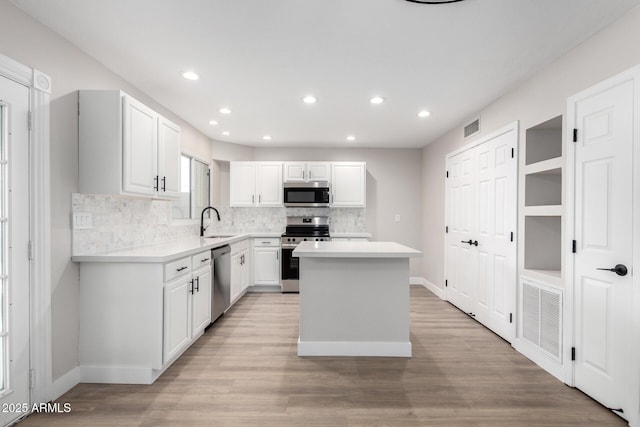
(82, 221)
(397, 218)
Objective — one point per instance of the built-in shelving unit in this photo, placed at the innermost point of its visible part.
(541, 203)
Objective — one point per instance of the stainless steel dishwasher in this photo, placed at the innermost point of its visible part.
(221, 285)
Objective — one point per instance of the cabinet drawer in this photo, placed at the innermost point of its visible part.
(244, 244)
(200, 260)
(177, 268)
(267, 241)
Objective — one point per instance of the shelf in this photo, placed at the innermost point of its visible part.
(544, 210)
(544, 141)
(543, 188)
(542, 246)
(545, 165)
(548, 277)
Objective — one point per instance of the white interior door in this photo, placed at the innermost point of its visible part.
(496, 215)
(14, 263)
(603, 233)
(481, 196)
(460, 257)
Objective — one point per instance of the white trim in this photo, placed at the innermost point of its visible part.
(569, 333)
(64, 383)
(40, 222)
(440, 293)
(334, 348)
(539, 357)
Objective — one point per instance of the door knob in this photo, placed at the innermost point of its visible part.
(619, 269)
(470, 242)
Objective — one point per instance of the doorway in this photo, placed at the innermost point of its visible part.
(15, 284)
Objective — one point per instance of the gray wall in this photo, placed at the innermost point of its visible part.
(542, 97)
(28, 42)
(394, 186)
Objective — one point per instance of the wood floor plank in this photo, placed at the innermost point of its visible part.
(245, 372)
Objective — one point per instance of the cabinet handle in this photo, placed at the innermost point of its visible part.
(259, 198)
(198, 284)
(191, 287)
(164, 183)
(182, 268)
(204, 260)
(303, 174)
(253, 198)
(155, 183)
(266, 243)
(277, 255)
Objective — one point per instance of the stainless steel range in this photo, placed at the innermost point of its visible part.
(299, 229)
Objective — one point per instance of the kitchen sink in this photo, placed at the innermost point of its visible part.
(219, 236)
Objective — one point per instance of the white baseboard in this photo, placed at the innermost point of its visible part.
(440, 293)
(334, 348)
(117, 375)
(64, 383)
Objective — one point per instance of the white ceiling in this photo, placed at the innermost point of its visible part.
(260, 57)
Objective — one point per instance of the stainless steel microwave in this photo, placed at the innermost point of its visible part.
(307, 194)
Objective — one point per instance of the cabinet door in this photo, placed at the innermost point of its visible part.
(242, 177)
(139, 145)
(294, 171)
(177, 321)
(266, 266)
(269, 184)
(168, 158)
(244, 270)
(348, 184)
(236, 270)
(318, 171)
(201, 301)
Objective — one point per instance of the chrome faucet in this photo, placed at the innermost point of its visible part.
(202, 227)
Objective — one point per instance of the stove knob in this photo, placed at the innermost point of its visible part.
(316, 240)
(305, 239)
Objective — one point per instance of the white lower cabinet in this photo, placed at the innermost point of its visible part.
(266, 261)
(137, 318)
(239, 269)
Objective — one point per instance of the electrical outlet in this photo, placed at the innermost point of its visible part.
(397, 218)
(82, 221)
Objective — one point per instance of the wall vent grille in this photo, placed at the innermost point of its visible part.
(472, 128)
(542, 317)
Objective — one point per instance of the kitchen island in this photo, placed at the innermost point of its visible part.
(354, 298)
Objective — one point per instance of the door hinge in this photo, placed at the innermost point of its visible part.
(30, 250)
(512, 236)
(29, 120)
(573, 246)
(513, 153)
(446, 283)
(575, 135)
(573, 353)
(446, 229)
(510, 317)
(447, 174)
(32, 379)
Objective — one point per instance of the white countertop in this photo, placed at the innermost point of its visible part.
(347, 234)
(168, 251)
(355, 249)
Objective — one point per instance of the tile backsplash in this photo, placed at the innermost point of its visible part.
(120, 222)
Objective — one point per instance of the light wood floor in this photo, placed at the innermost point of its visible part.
(244, 372)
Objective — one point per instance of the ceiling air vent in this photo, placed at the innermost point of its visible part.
(472, 128)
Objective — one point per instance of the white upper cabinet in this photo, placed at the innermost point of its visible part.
(168, 158)
(348, 184)
(125, 147)
(307, 171)
(255, 184)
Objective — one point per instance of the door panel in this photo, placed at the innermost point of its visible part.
(603, 224)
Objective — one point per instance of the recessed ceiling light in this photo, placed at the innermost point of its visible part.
(226, 133)
(213, 123)
(424, 113)
(190, 75)
(376, 100)
(351, 138)
(309, 99)
(266, 138)
(224, 110)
